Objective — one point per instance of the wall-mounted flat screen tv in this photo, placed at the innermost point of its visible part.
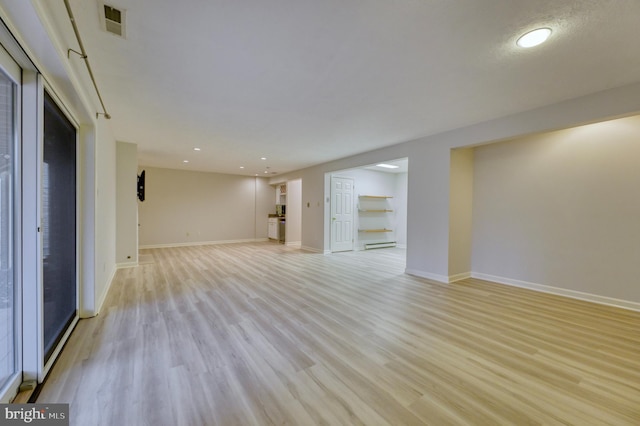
(141, 186)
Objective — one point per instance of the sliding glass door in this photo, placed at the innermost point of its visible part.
(58, 225)
(38, 238)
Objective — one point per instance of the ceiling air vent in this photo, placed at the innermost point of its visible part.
(112, 19)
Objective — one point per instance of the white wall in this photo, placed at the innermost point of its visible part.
(105, 213)
(400, 214)
(98, 215)
(184, 207)
(293, 234)
(126, 203)
(562, 209)
(265, 205)
(460, 213)
(87, 186)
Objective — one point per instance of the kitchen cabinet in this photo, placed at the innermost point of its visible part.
(273, 229)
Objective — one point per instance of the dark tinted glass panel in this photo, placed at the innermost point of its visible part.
(58, 224)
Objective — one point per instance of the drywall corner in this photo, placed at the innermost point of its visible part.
(460, 210)
(126, 203)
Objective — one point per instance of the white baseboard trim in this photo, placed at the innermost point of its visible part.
(294, 244)
(402, 246)
(126, 265)
(103, 297)
(428, 275)
(458, 277)
(311, 249)
(202, 243)
(603, 300)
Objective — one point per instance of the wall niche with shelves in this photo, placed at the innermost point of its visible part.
(375, 222)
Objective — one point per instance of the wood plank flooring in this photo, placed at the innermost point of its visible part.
(261, 334)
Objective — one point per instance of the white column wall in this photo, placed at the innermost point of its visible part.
(126, 204)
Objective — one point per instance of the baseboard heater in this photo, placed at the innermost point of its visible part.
(369, 246)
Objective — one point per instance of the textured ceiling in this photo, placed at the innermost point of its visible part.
(304, 82)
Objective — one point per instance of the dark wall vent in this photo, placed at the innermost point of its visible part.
(112, 19)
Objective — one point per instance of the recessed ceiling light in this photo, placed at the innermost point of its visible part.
(266, 171)
(534, 38)
(196, 149)
(387, 166)
(263, 158)
(242, 167)
(256, 174)
(185, 161)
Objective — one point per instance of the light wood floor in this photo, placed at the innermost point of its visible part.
(264, 334)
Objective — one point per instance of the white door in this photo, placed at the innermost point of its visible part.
(341, 214)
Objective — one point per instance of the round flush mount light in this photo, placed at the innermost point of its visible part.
(185, 161)
(196, 149)
(534, 38)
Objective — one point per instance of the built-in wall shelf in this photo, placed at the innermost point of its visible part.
(375, 221)
(281, 194)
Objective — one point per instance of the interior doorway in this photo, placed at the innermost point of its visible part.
(378, 205)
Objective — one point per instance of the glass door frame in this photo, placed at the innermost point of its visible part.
(11, 68)
(34, 367)
(65, 335)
